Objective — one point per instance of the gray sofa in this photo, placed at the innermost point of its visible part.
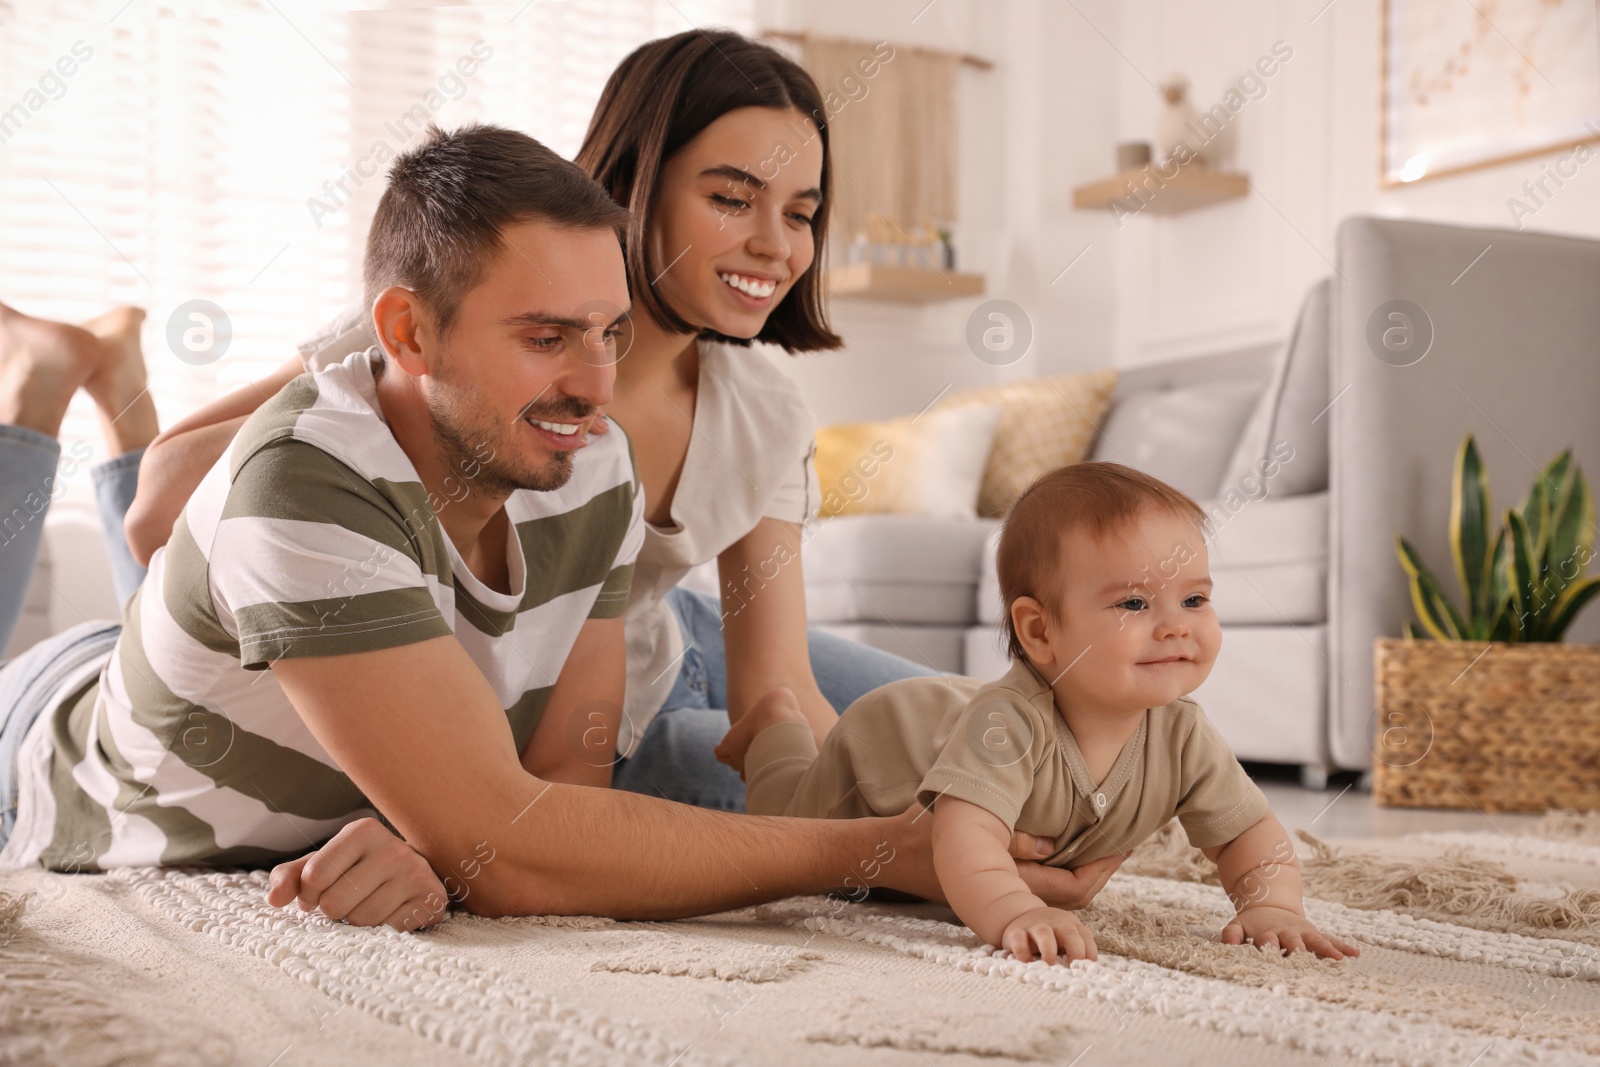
(1304, 559)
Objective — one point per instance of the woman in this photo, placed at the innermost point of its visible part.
(709, 139)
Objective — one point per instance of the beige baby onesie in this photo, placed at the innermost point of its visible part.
(1003, 747)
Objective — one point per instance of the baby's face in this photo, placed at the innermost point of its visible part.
(1137, 607)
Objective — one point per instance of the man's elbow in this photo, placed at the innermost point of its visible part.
(504, 893)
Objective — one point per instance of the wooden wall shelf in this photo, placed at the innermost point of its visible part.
(1192, 187)
(902, 285)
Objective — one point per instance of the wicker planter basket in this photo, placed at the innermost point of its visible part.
(1513, 728)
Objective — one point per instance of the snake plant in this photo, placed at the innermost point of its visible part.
(1527, 583)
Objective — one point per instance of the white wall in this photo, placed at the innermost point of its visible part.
(1234, 274)
(1036, 124)
(1070, 81)
(1477, 197)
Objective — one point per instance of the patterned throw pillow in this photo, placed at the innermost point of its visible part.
(929, 464)
(1044, 423)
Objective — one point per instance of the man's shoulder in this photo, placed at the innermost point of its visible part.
(334, 411)
(285, 478)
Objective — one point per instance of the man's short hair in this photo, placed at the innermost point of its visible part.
(449, 199)
(1105, 499)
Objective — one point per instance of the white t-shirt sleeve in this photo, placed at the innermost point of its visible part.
(799, 494)
(347, 332)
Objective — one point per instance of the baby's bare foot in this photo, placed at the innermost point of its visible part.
(119, 388)
(775, 706)
(42, 363)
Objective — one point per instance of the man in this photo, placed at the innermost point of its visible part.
(401, 591)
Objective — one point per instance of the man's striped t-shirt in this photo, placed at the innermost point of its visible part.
(313, 536)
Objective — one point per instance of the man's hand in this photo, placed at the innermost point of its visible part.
(1281, 930)
(366, 876)
(1048, 930)
(912, 836)
(1070, 890)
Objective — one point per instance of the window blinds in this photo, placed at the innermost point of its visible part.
(234, 152)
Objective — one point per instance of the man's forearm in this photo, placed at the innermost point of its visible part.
(576, 851)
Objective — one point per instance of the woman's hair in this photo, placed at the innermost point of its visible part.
(1103, 498)
(439, 223)
(659, 99)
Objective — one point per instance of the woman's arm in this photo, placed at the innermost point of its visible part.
(576, 739)
(764, 623)
(181, 455)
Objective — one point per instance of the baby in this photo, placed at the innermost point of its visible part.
(1088, 740)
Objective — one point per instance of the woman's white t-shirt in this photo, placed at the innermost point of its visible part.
(750, 457)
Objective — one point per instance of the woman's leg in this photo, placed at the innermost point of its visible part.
(115, 482)
(27, 477)
(42, 364)
(846, 670)
(675, 759)
(128, 420)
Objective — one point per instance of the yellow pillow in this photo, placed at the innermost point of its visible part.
(929, 464)
(1045, 423)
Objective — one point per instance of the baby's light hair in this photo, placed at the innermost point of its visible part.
(1102, 498)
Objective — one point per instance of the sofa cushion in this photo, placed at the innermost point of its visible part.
(1268, 557)
(938, 647)
(1045, 423)
(1289, 414)
(895, 568)
(990, 607)
(1185, 436)
(929, 464)
(1267, 693)
(983, 653)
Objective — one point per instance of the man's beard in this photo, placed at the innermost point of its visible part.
(479, 453)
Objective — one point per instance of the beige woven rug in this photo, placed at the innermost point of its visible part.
(1477, 949)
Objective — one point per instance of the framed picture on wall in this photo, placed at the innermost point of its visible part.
(1468, 85)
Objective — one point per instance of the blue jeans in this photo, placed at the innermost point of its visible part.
(674, 757)
(28, 483)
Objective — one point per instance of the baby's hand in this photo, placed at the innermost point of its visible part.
(1283, 931)
(1048, 929)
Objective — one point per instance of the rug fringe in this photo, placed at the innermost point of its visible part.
(1453, 887)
